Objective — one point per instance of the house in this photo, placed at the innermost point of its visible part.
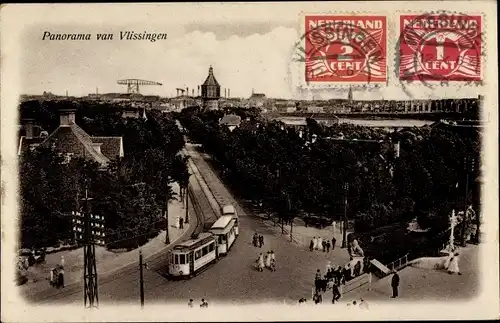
(257, 100)
(232, 121)
(72, 141)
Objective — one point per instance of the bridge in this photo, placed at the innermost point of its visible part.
(133, 84)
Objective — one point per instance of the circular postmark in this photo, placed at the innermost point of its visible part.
(437, 48)
(335, 51)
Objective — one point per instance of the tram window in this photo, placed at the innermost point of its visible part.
(176, 261)
(197, 254)
(204, 251)
(182, 259)
(211, 247)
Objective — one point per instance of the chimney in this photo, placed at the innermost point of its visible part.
(228, 93)
(97, 147)
(28, 127)
(192, 92)
(66, 117)
(187, 91)
(198, 90)
(225, 92)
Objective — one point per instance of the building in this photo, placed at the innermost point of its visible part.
(72, 141)
(210, 91)
(232, 121)
(315, 109)
(257, 100)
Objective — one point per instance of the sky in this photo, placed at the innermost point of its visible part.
(246, 55)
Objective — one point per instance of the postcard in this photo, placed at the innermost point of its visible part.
(281, 161)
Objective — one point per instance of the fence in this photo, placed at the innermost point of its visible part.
(399, 263)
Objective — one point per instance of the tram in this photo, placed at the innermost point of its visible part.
(193, 256)
(224, 231)
(230, 210)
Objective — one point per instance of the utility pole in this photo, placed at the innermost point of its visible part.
(167, 238)
(91, 298)
(344, 226)
(141, 278)
(187, 203)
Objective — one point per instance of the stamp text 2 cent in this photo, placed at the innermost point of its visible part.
(345, 49)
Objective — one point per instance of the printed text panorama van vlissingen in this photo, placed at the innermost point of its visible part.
(124, 35)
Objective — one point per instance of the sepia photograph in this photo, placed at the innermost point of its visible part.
(249, 161)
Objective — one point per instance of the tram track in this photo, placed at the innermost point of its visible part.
(157, 262)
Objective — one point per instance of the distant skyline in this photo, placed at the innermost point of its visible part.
(246, 56)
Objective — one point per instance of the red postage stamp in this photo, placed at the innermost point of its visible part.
(345, 49)
(440, 47)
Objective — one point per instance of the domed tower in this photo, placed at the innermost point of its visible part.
(210, 91)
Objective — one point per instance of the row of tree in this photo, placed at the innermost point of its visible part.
(131, 193)
(289, 175)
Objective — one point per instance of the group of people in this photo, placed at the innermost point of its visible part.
(269, 261)
(332, 277)
(204, 303)
(179, 223)
(318, 243)
(258, 240)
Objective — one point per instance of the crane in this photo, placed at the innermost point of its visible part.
(133, 84)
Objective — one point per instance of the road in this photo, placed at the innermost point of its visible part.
(234, 278)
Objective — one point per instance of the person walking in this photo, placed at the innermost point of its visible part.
(328, 245)
(191, 304)
(204, 303)
(260, 262)
(320, 242)
(255, 239)
(317, 280)
(311, 245)
(335, 293)
(395, 284)
(61, 277)
(323, 245)
(268, 260)
(317, 298)
(315, 241)
(261, 241)
(181, 223)
(333, 243)
(453, 266)
(273, 261)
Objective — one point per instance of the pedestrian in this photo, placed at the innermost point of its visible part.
(204, 303)
(302, 300)
(315, 240)
(323, 245)
(191, 304)
(61, 277)
(320, 242)
(317, 280)
(260, 262)
(62, 261)
(268, 260)
(317, 298)
(335, 293)
(333, 243)
(328, 245)
(328, 267)
(261, 241)
(52, 272)
(453, 266)
(255, 239)
(311, 245)
(181, 223)
(395, 284)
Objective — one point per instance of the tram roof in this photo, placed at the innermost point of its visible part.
(222, 222)
(204, 237)
(228, 209)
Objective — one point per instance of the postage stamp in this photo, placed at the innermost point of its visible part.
(440, 47)
(343, 49)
